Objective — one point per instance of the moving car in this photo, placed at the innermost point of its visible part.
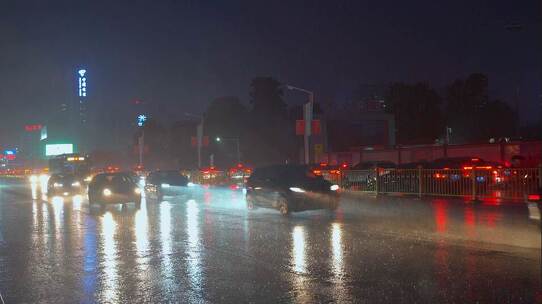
(290, 188)
(165, 183)
(113, 188)
(60, 184)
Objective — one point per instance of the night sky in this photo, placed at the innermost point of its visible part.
(179, 55)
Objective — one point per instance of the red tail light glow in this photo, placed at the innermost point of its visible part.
(533, 197)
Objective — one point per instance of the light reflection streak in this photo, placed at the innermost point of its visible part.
(340, 292)
(45, 219)
(109, 227)
(43, 180)
(165, 238)
(337, 250)
(142, 230)
(299, 265)
(76, 202)
(298, 249)
(193, 230)
(58, 212)
(34, 189)
(35, 215)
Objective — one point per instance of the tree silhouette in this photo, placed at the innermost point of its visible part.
(472, 115)
(417, 112)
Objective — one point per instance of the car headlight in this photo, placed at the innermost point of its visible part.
(76, 184)
(165, 185)
(88, 178)
(107, 192)
(58, 185)
(137, 191)
(296, 189)
(44, 178)
(334, 187)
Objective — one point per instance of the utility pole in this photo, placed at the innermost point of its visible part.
(307, 117)
(141, 146)
(199, 134)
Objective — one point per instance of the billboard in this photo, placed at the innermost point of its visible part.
(58, 149)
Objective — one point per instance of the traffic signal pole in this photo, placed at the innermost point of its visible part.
(307, 117)
(200, 140)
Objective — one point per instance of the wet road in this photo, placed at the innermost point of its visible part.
(208, 248)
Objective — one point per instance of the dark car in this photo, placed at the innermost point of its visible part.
(112, 188)
(165, 183)
(363, 175)
(65, 185)
(290, 188)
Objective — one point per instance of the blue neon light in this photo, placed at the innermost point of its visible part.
(82, 83)
(141, 119)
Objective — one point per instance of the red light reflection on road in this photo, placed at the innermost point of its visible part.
(441, 215)
(490, 218)
(470, 217)
(207, 197)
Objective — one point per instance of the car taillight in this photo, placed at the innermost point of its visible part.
(533, 197)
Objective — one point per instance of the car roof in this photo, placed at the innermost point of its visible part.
(62, 175)
(110, 176)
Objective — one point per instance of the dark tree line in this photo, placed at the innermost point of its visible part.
(265, 126)
(264, 129)
(422, 114)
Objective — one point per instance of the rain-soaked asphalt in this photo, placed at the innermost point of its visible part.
(208, 248)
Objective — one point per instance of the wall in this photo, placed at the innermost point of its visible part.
(500, 152)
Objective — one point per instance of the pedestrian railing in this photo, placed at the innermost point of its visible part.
(484, 182)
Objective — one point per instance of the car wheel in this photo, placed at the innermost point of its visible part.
(283, 206)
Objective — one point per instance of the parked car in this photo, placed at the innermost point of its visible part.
(114, 188)
(290, 188)
(363, 175)
(65, 185)
(165, 183)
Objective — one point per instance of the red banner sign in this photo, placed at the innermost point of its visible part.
(300, 127)
(316, 129)
(32, 128)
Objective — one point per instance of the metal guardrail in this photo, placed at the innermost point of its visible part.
(500, 183)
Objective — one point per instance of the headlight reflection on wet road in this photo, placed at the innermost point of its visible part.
(337, 250)
(194, 245)
(165, 239)
(298, 249)
(142, 230)
(109, 264)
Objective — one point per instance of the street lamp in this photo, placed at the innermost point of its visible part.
(307, 116)
(236, 139)
(199, 134)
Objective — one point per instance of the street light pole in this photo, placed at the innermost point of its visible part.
(199, 134)
(307, 116)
